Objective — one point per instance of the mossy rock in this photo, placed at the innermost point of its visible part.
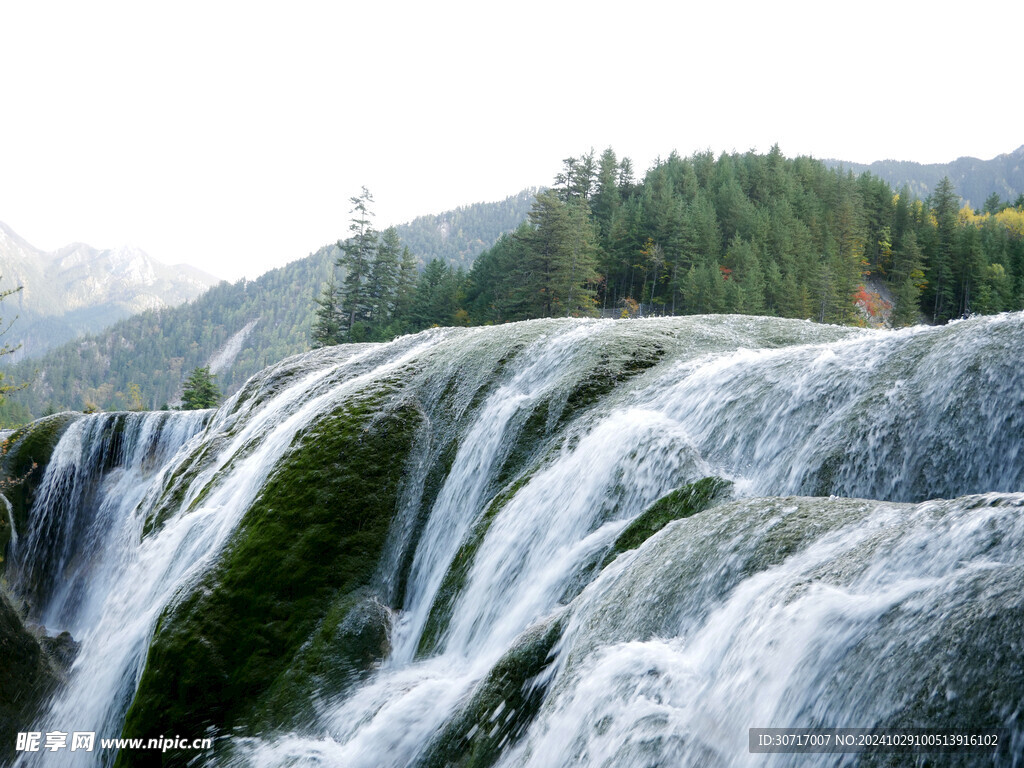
(353, 636)
(22, 466)
(177, 484)
(313, 537)
(970, 678)
(682, 502)
(549, 416)
(611, 370)
(502, 706)
(527, 442)
(440, 463)
(800, 521)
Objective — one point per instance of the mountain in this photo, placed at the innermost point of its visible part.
(79, 289)
(974, 179)
(236, 329)
(459, 236)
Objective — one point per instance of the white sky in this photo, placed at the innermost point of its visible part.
(230, 135)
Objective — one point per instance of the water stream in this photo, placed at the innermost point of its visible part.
(763, 611)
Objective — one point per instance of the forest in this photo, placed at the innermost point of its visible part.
(748, 234)
(738, 233)
(142, 362)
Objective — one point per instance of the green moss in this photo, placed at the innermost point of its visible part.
(176, 486)
(501, 707)
(796, 528)
(682, 502)
(550, 415)
(24, 461)
(611, 370)
(112, 441)
(823, 482)
(353, 635)
(312, 538)
(527, 442)
(450, 417)
(434, 481)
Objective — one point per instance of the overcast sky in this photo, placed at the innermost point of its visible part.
(231, 135)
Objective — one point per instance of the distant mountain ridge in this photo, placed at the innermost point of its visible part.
(79, 289)
(240, 328)
(974, 179)
(236, 329)
(460, 235)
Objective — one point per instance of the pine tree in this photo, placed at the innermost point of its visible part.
(200, 391)
(559, 272)
(606, 199)
(436, 299)
(994, 204)
(908, 279)
(405, 293)
(327, 326)
(576, 181)
(358, 254)
(382, 287)
(940, 267)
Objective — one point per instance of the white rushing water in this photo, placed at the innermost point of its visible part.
(673, 651)
(83, 510)
(822, 638)
(141, 576)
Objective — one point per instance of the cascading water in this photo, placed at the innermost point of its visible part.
(537, 446)
(97, 475)
(147, 572)
(667, 664)
(885, 416)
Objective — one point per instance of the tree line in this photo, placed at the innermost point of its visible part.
(381, 294)
(144, 360)
(744, 233)
(740, 233)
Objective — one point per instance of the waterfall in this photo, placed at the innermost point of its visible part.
(96, 476)
(145, 573)
(10, 521)
(536, 446)
(662, 658)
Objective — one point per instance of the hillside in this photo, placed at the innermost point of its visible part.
(738, 234)
(237, 328)
(459, 236)
(974, 179)
(79, 289)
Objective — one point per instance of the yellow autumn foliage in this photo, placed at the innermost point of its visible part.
(1012, 219)
(967, 217)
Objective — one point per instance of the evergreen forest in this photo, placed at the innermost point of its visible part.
(737, 233)
(748, 234)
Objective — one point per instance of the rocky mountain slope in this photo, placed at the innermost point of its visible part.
(79, 289)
